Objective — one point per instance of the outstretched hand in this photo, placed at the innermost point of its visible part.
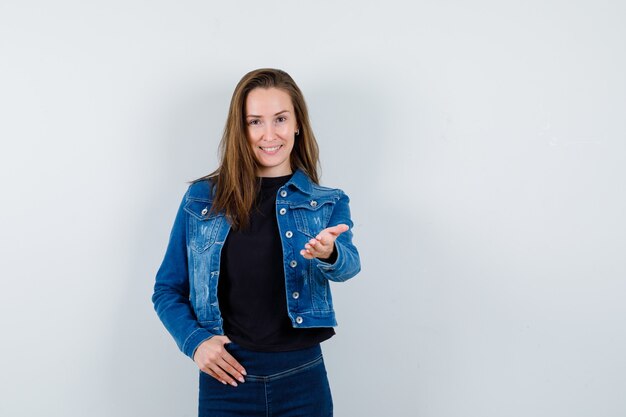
(324, 243)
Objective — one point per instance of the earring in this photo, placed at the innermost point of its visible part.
(297, 132)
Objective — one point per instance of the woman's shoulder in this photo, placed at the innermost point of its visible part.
(324, 189)
(321, 192)
(305, 183)
(201, 189)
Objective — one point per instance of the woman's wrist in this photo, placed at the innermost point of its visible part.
(332, 258)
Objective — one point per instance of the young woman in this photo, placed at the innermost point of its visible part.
(244, 285)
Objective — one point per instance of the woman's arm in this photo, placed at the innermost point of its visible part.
(171, 290)
(171, 302)
(332, 249)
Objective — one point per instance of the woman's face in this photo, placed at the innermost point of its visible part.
(270, 126)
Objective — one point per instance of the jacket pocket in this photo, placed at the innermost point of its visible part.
(202, 225)
(312, 216)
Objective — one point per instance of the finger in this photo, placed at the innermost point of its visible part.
(319, 246)
(223, 353)
(314, 251)
(233, 363)
(337, 230)
(230, 370)
(325, 237)
(322, 251)
(214, 375)
(308, 247)
(223, 376)
(306, 254)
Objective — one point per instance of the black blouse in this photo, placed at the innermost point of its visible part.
(251, 289)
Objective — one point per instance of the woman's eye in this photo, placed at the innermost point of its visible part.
(253, 122)
(281, 119)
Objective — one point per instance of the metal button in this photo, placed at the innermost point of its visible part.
(295, 295)
(289, 233)
(313, 203)
(293, 264)
(299, 320)
(205, 211)
(282, 210)
(283, 193)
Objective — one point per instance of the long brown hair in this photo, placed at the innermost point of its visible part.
(235, 182)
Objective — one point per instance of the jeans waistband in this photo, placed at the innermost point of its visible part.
(274, 364)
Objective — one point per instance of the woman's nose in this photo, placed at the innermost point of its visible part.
(269, 132)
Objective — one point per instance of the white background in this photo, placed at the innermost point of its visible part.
(482, 143)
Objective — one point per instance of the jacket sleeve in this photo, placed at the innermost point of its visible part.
(347, 264)
(171, 290)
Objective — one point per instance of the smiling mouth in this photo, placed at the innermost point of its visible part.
(273, 149)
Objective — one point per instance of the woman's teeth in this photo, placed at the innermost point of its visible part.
(272, 149)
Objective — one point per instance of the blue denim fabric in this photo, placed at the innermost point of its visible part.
(278, 384)
(185, 291)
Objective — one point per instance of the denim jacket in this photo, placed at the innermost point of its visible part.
(185, 291)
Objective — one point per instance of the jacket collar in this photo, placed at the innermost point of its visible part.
(301, 181)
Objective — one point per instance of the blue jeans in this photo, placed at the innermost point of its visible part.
(292, 383)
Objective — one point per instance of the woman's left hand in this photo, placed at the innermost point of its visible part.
(324, 243)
